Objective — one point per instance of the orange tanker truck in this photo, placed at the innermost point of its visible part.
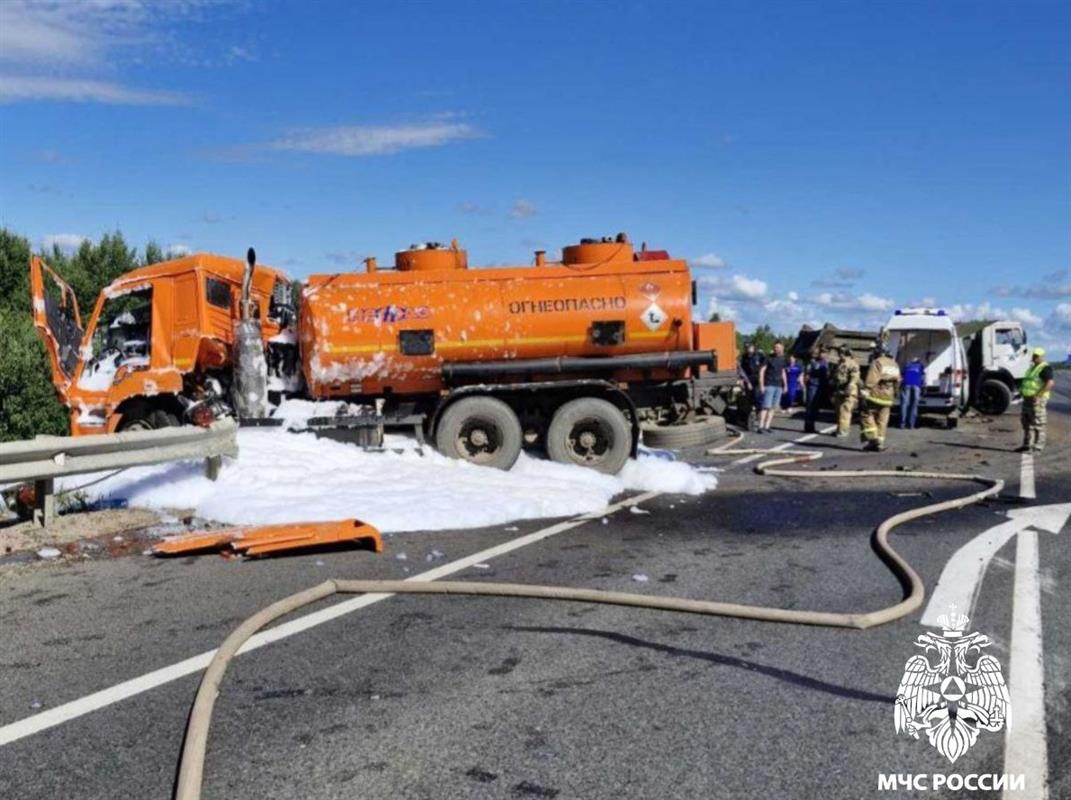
(574, 356)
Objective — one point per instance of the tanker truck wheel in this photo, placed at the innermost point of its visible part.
(482, 430)
(592, 433)
(688, 434)
(148, 419)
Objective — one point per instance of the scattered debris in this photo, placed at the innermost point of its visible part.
(48, 553)
(637, 510)
(639, 577)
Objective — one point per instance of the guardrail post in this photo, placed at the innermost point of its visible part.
(213, 464)
(44, 502)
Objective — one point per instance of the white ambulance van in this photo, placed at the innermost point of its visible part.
(930, 335)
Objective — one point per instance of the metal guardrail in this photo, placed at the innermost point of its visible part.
(46, 458)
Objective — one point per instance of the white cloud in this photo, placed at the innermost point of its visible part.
(1054, 285)
(1061, 317)
(793, 296)
(849, 302)
(1025, 316)
(724, 310)
(375, 140)
(64, 241)
(14, 89)
(178, 250)
(961, 312)
(236, 54)
(848, 273)
(53, 49)
(523, 209)
(51, 32)
(735, 287)
(709, 261)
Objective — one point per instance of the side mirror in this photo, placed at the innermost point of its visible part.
(251, 257)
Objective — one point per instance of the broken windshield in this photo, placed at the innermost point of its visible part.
(121, 339)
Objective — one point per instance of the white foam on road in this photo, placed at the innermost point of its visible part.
(282, 477)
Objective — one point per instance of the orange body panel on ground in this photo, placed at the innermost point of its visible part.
(263, 539)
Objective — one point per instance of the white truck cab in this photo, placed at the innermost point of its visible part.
(998, 359)
(930, 335)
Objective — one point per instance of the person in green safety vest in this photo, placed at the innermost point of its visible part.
(1035, 388)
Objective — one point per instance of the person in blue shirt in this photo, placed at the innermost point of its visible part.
(914, 376)
(792, 372)
(816, 382)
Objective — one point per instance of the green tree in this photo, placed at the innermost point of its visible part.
(14, 272)
(154, 254)
(28, 403)
(764, 339)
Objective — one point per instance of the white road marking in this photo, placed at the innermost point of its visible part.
(1025, 744)
(1026, 749)
(1026, 478)
(784, 445)
(150, 680)
(961, 579)
(44, 720)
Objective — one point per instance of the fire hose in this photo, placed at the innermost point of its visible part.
(191, 764)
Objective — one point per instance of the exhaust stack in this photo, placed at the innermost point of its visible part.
(250, 386)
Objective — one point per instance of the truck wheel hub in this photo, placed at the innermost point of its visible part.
(589, 441)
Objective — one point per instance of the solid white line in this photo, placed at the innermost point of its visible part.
(150, 680)
(1026, 477)
(1025, 745)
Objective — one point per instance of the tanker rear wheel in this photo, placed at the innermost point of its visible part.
(592, 433)
(482, 430)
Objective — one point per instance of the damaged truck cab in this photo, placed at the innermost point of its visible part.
(157, 349)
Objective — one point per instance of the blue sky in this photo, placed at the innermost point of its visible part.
(815, 161)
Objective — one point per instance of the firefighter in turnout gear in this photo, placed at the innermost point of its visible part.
(845, 383)
(1035, 388)
(879, 393)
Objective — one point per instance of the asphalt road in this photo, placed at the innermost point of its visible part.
(470, 697)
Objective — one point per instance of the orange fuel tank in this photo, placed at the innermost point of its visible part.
(390, 331)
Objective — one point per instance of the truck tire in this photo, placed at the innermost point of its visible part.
(994, 397)
(148, 419)
(482, 430)
(592, 433)
(690, 434)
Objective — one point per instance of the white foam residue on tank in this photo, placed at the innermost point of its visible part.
(350, 370)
